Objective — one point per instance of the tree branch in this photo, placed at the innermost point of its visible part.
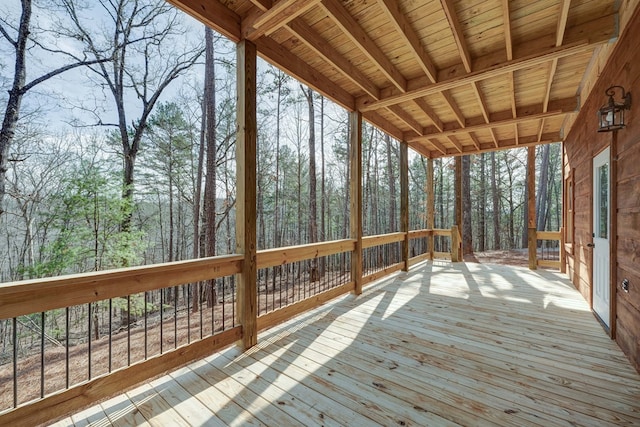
(6, 35)
(59, 71)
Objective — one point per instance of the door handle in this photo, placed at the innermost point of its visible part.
(591, 245)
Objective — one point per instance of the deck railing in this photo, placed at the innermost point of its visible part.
(548, 252)
(72, 340)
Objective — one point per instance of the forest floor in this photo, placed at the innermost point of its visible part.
(517, 257)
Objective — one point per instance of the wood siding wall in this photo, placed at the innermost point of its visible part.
(581, 145)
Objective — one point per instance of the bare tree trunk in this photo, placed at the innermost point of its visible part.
(210, 177)
(467, 230)
(313, 215)
(197, 197)
(542, 196)
(496, 202)
(323, 194)
(482, 227)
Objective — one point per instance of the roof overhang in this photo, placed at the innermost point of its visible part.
(449, 77)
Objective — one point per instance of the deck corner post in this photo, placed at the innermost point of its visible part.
(404, 202)
(355, 197)
(532, 238)
(246, 234)
(431, 207)
(455, 243)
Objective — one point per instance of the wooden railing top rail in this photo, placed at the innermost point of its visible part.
(382, 239)
(279, 256)
(416, 234)
(34, 296)
(548, 235)
(442, 232)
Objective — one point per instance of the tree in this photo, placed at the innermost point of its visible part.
(169, 148)
(495, 198)
(149, 28)
(313, 216)
(20, 87)
(467, 230)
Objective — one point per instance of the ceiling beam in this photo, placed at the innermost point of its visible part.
(458, 35)
(404, 30)
(214, 14)
(359, 37)
(366, 104)
(282, 58)
(321, 48)
(258, 23)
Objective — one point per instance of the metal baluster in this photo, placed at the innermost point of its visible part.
(89, 343)
(42, 355)
(128, 330)
(67, 347)
(110, 333)
(175, 317)
(15, 362)
(146, 332)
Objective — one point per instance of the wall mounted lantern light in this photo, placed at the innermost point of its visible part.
(611, 115)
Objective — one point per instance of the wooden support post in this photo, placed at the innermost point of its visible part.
(247, 297)
(455, 244)
(531, 206)
(355, 194)
(563, 267)
(404, 202)
(431, 223)
(458, 206)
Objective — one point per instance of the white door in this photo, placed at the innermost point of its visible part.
(601, 229)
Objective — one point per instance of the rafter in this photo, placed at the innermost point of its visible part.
(359, 37)
(383, 124)
(366, 104)
(484, 126)
(481, 101)
(526, 141)
(263, 5)
(448, 98)
(474, 139)
(506, 17)
(506, 13)
(397, 111)
(321, 48)
(281, 57)
(258, 23)
(404, 30)
(455, 142)
(458, 35)
(214, 14)
(435, 144)
(496, 141)
(424, 107)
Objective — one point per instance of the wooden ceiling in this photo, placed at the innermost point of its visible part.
(450, 77)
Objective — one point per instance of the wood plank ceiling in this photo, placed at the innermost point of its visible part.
(450, 77)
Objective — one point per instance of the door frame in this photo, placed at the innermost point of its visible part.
(611, 329)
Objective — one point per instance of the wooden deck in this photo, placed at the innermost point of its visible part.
(446, 344)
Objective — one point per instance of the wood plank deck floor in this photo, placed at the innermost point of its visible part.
(446, 344)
